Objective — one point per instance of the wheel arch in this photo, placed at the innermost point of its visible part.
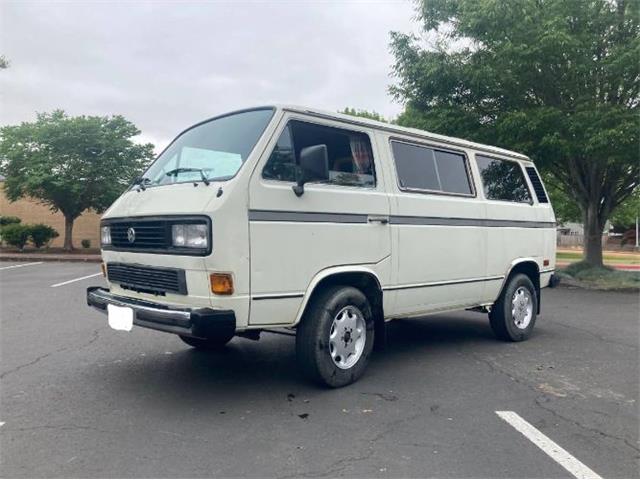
(361, 277)
(528, 267)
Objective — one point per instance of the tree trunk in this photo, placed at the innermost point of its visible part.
(68, 233)
(593, 226)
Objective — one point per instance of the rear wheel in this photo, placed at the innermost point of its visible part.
(335, 338)
(215, 343)
(513, 316)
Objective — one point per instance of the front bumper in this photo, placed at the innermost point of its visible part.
(200, 322)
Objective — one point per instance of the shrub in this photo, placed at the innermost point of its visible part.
(5, 220)
(42, 234)
(602, 278)
(86, 243)
(16, 235)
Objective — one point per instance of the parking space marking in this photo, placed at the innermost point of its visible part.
(75, 280)
(548, 446)
(21, 265)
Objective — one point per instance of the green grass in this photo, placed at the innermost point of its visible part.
(584, 275)
(617, 259)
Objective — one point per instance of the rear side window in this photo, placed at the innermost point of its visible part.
(537, 185)
(430, 169)
(350, 154)
(502, 180)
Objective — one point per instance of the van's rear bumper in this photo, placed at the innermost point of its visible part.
(200, 322)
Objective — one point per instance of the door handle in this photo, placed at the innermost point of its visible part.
(383, 219)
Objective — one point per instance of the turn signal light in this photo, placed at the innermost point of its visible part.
(104, 270)
(221, 283)
(545, 262)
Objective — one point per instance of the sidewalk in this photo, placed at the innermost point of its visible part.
(49, 257)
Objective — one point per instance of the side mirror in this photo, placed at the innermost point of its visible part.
(314, 165)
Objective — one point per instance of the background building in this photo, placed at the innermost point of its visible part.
(86, 226)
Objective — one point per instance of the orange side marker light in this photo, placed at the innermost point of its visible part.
(221, 283)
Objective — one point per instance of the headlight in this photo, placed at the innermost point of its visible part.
(190, 235)
(105, 235)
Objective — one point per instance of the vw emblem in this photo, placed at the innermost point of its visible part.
(131, 235)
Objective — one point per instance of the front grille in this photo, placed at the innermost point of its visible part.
(152, 234)
(147, 279)
(149, 234)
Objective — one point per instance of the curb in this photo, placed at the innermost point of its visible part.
(48, 258)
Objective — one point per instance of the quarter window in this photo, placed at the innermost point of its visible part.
(424, 168)
(350, 154)
(503, 180)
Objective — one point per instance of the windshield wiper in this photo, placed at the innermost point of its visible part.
(141, 181)
(176, 171)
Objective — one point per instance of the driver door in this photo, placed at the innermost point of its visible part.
(339, 222)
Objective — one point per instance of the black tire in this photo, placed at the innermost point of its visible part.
(215, 343)
(313, 347)
(502, 320)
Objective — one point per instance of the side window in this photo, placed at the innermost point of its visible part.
(502, 180)
(424, 168)
(350, 154)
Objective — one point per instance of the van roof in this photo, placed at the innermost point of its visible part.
(414, 132)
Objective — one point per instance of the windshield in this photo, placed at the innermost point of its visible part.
(214, 150)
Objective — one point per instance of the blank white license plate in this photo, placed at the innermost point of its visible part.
(120, 318)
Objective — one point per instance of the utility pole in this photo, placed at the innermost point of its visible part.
(636, 232)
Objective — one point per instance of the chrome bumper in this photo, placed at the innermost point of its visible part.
(200, 322)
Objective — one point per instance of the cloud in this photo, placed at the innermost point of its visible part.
(166, 65)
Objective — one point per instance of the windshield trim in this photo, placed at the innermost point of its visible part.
(217, 117)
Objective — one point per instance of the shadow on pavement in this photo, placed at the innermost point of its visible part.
(245, 369)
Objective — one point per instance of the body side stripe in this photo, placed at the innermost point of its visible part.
(322, 217)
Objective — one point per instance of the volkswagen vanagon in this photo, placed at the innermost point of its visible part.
(287, 218)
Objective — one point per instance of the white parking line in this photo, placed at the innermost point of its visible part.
(21, 265)
(570, 463)
(75, 280)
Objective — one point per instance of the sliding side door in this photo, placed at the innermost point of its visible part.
(439, 244)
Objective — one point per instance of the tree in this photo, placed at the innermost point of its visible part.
(363, 113)
(4, 63)
(625, 215)
(564, 206)
(71, 164)
(558, 80)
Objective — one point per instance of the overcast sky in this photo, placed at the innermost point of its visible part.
(167, 64)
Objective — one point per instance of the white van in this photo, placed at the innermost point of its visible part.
(327, 225)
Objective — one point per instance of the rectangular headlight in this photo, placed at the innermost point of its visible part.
(105, 235)
(190, 235)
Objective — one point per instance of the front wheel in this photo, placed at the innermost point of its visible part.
(335, 337)
(513, 316)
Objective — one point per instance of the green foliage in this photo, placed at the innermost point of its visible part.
(41, 234)
(71, 163)
(558, 80)
(624, 216)
(364, 113)
(8, 220)
(564, 206)
(86, 243)
(16, 235)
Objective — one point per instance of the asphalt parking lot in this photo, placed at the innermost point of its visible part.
(81, 400)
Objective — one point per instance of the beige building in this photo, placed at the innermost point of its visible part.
(86, 226)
